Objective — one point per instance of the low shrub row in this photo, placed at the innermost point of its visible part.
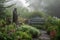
(24, 32)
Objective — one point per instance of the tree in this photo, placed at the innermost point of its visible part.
(3, 9)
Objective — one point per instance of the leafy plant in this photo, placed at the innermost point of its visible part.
(2, 23)
(9, 32)
(23, 35)
(30, 30)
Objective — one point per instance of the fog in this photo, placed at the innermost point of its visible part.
(49, 6)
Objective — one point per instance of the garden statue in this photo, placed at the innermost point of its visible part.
(15, 16)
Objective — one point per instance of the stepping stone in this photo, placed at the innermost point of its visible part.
(44, 35)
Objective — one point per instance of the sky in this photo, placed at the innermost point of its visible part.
(10, 3)
(26, 4)
(23, 2)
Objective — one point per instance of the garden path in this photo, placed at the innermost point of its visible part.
(43, 36)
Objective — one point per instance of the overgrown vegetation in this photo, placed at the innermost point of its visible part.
(24, 31)
(29, 29)
(52, 23)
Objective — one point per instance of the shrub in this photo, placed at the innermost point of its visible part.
(52, 28)
(11, 33)
(5, 36)
(2, 23)
(58, 33)
(30, 30)
(36, 13)
(49, 29)
(23, 35)
(11, 27)
(53, 23)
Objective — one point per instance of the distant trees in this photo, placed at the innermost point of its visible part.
(3, 9)
(36, 13)
(3, 12)
(51, 7)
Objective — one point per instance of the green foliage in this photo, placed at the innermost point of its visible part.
(36, 13)
(10, 32)
(23, 12)
(30, 30)
(23, 35)
(3, 12)
(52, 28)
(53, 23)
(53, 20)
(11, 27)
(2, 23)
(7, 34)
(2, 9)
